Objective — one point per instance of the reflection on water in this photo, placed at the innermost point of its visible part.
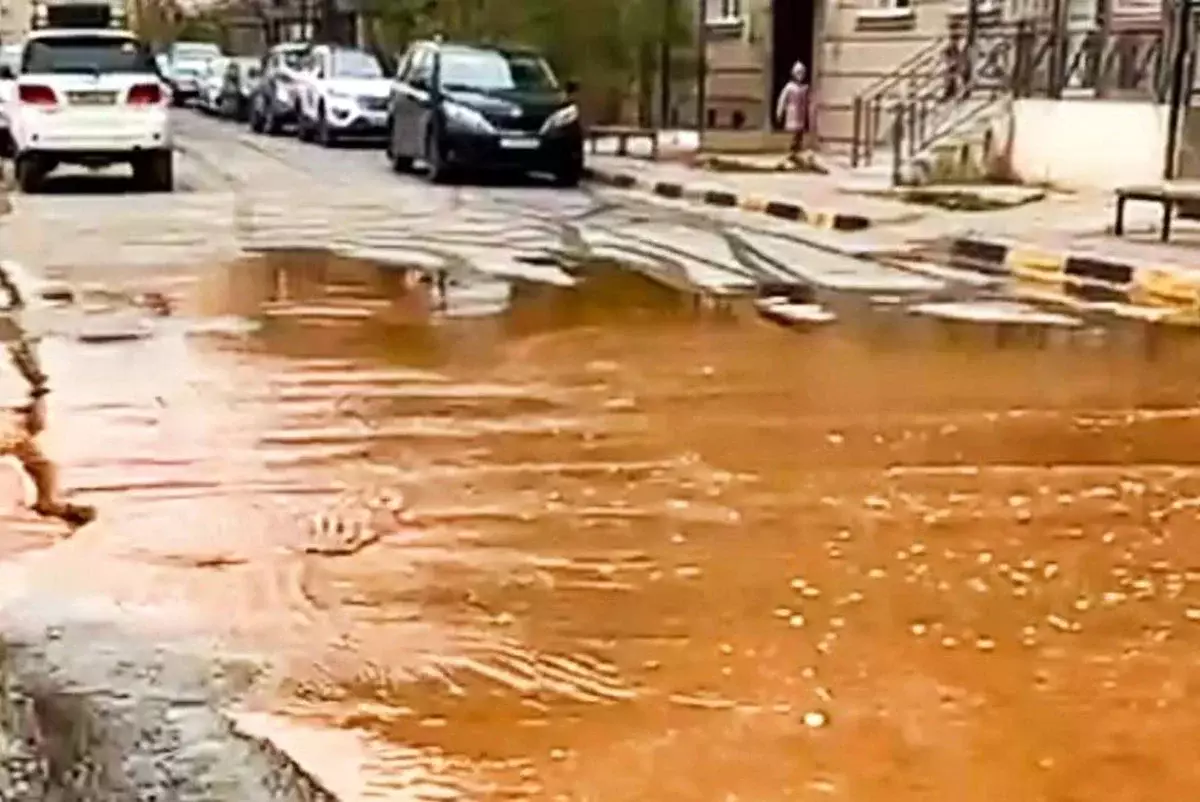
(602, 547)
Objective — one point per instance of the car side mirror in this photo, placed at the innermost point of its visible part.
(572, 87)
(6, 73)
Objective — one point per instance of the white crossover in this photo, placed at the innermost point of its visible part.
(10, 56)
(187, 63)
(212, 82)
(91, 98)
(343, 93)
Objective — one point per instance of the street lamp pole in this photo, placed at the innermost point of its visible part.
(664, 64)
(1179, 64)
(701, 69)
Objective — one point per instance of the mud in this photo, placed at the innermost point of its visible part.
(601, 544)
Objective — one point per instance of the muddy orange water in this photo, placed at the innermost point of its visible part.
(601, 547)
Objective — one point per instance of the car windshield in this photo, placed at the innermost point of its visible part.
(355, 64)
(89, 55)
(489, 70)
(196, 52)
(292, 58)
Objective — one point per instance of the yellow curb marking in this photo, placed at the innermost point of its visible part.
(820, 219)
(1034, 265)
(1166, 286)
(1040, 288)
(752, 204)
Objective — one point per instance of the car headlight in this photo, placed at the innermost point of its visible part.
(460, 116)
(561, 118)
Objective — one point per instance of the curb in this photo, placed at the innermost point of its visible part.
(785, 210)
(1083, 277)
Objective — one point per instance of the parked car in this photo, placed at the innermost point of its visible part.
(343, 92)
(465, 107)
(210, 84)
(275, 101)
(185, 65)
(91, 98)
(10, 57)
(241, 80)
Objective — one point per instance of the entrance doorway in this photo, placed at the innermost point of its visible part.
(793, 25)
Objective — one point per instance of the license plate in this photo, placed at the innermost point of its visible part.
(92, 98)
(520, 143)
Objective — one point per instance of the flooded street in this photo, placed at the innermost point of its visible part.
(600, 545)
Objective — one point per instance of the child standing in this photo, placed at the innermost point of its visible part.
(792, 109)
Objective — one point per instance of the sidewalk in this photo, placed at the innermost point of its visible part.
(1067, 246)
(809, 198)
(1061, 244)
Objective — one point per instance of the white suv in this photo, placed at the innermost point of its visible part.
(343, 92)
(92, 98)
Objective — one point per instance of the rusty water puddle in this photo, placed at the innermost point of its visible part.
(600, 546)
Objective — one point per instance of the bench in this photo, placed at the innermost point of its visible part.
(623, 134)
(1168, 195)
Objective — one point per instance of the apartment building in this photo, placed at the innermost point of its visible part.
(851, 45)
(15, 18)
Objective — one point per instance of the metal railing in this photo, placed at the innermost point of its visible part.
(1022, 59)
(870, 104)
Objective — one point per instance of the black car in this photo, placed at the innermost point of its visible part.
(275, 102)
(459, 107)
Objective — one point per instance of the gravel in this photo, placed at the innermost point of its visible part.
(91, 710)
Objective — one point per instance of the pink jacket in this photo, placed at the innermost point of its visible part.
(792, 107)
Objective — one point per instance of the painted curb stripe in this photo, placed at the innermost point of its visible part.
(1099, 270)
(1036, 265)
(837, 221)
(1082, 278)
(788, 211)
(668, 190)
(719, 198)
(1162, 285)
(979, 255)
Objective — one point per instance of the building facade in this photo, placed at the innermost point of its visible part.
(15, 17)
(851, 46)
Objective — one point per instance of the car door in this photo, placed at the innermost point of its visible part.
(315, 69)
(230, 86)
(414, 100)
(266, 87)
(398, 93)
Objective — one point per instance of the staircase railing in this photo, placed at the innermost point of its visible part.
(870, 104)
(1016, 60)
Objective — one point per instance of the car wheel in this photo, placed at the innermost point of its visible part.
(304, 131)
(30, 174)
(256, 117)
(326, 138)
(155, 172)
(271, 126)
(6, 144)
(400, 163)
(569, 176)
(436, 169)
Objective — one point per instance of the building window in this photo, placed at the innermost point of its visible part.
(723, 10)
(885, 7)
(886, 14)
